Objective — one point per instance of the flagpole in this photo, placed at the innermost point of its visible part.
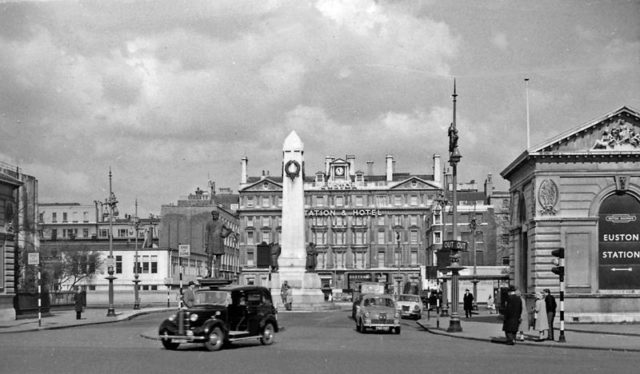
(526, 85)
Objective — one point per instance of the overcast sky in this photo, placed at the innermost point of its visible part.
(170, 94)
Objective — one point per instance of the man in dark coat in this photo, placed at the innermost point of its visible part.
(550, 303)
(467, 301)
(275, 253)
(512, 312)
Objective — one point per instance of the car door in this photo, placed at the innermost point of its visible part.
(255, 310)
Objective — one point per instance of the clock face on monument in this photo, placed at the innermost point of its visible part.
(340, 171)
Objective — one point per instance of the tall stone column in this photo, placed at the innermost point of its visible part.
(306, 286)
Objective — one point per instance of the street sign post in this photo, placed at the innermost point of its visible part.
(184, 250)
(455, 245)
(34, 258)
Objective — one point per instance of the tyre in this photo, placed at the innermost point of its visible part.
(167, 343)
(397, 330)
(363, 328)
(358, 326)
(268, 334)
(215, 340)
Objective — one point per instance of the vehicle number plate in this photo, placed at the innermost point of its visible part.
(383, 316)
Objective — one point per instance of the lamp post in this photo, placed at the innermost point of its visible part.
(399, 251)
(454, 158)
(443, 203)
(473, 225)
(111, 202)
(136, 275)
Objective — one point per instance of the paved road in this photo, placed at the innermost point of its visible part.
(310, 343)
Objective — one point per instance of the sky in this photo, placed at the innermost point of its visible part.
(170, 94)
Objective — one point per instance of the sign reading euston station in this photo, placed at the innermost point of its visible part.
(619, 243)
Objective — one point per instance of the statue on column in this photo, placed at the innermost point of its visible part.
(216, 231)
(312, 255)
(453, 138)
(275, 253)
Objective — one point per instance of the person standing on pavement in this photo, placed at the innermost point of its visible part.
(512, 313)
(542, 324)
(189, 296)
(524, 317)
(79, 303)
(550, 303)
(467, 301)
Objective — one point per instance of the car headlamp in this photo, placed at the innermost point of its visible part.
(193, 317)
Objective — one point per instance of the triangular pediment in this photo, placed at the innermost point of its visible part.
(415, 183)
(265, 184)
(618, 131)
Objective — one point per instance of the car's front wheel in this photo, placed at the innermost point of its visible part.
(397, 330)
(362, 328)
(268, 334)
(215, 339)
(167, 343)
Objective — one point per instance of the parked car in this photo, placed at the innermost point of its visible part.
(410, 306)
(221, 316)
(378, 312)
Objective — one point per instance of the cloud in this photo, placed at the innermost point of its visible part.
(500, 40)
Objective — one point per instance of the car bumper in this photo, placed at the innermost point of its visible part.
(410, 313)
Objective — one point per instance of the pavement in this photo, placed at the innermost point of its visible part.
(482, 326)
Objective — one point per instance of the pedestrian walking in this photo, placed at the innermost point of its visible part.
(524, 317)
(467, 301)
(283, 292)
(550, 304)
(79, 303)
(289, 304)
(512, 313)
(542, 324)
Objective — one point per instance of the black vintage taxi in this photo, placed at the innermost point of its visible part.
(222, 315)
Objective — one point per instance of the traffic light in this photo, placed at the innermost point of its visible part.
(558, 270)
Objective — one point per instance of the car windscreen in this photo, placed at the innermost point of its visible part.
(379, 301)
(409, 298)
(213, 298)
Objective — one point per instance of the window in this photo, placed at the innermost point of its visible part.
(413, 200)
(154, 264)
(249, 221)
(505, 261)
(54, 217)
(397, 200)
(360, 237)
(85, 216)
(413, 220)
(85, 233)
(340, 221)
(380, 259)
(381, 220)
(266, 222)
(279, 201)
(340, 238)
(359, 201)
(414, 257)
(358, 260)
(381, 237)
(250, 202)
(75, 217)
(118, 265)
(250, 239)
(265, 202)
(340, 259)
(266, 236)
(339, 200)
(381, 201)
(359, 220)
(397, 220)
(320, 237)
(319, 200)
(250, 258)
(145, 264)
(321, 260)
(54, 234)
(437, 217)
(64, 217)
(413, 236)
(396, 258)
(437, 237)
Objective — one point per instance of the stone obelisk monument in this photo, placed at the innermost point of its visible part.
(305, 285)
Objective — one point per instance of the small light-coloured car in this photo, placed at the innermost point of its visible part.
(377, 312)
(409, 306)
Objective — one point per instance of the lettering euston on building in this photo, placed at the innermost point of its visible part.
(343, 212)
